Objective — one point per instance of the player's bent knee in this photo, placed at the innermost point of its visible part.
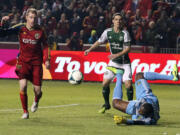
(106, 84)
(37, 89)
(120, 105)
(139, 76)
(115, 103)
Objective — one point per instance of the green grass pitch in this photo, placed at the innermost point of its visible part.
(72, 110)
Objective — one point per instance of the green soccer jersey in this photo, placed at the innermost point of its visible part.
(118, 41)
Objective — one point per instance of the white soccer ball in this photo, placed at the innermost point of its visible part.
(75, 77)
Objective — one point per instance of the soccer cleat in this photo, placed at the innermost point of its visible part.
(104, 108)
(34, 107)
(25, 116)
(115, 70)
(119, 119)
(175, 73)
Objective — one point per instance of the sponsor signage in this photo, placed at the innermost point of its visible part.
(160, 63)
(92, 66)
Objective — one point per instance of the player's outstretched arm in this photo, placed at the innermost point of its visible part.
(123, 120)
(137, 122)
(96, 44)
(10, 31)
(144, 121)
(101, 40)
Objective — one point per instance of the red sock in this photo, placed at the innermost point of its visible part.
(24, 101)
(37, 97)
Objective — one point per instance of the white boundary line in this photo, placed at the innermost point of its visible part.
(41, 107)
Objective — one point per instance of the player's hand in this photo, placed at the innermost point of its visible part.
(4, 18)
(112, 56)
(120, 119)
(47, 64)
(86, 52)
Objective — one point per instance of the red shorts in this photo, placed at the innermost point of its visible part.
(30, 72)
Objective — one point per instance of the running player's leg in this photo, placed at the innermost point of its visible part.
(38, 95)
(37, 81)
(129, 88)
(105, 93)
(24, 97)
(108, 76)
(127, 79)
(22, 71)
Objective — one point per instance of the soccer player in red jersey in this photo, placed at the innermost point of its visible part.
(33, 52)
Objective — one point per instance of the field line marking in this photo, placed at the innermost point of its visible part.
(58, 106)
(40, 107)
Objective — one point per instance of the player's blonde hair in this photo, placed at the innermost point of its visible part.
(31, 10)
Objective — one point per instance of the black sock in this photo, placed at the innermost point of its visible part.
(106, 92)
(130, 93)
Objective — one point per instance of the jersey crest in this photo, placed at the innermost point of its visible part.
(121, 38)
(37, 36)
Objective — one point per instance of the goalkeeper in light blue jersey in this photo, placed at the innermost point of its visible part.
(145, 109)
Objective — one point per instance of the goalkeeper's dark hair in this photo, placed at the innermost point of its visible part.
(147, 109)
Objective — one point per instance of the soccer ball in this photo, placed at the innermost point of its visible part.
(75, 77)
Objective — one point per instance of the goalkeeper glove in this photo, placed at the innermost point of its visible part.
(120, 119)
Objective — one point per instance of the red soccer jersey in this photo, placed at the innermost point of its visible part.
(33, 45)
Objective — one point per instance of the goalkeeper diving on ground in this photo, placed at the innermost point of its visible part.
(145, 109)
